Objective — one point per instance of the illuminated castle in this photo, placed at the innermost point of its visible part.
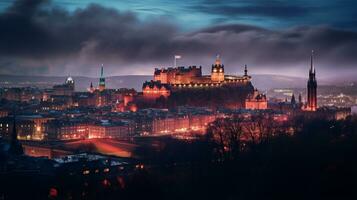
(187, 86)
(191, 76)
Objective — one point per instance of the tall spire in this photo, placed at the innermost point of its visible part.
(101, 80)
(245, 70)
(312, 68)
(101, 72)
(312, 86)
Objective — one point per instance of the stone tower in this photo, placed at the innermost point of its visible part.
(217, 72)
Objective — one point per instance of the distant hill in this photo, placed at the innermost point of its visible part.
(261, 81)
(81, 82)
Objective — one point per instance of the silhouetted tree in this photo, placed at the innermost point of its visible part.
(15, 145)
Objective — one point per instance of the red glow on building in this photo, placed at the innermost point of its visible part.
(256, 101)
(155, 89)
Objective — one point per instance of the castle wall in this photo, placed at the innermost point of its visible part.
(178, 75)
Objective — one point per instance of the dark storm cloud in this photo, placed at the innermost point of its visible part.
(37, 38)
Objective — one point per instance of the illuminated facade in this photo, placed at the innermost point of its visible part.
(217, 71)
(178, 75)
(121, 107)
(256, 101)
(66, 130)
(155, 89)
(107, 129)
(29, 127)
(182, 124)
(44, 151)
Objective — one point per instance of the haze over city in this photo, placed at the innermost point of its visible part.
(52, 37)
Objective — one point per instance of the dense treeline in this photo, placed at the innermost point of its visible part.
(318, 162)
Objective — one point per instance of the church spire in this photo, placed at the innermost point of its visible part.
(245, 70)
(312, 86)
(293, 100)
(101, 72)
(312, 68)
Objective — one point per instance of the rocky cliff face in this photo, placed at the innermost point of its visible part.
(227, 96)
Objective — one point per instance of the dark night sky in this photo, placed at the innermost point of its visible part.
(42, 37)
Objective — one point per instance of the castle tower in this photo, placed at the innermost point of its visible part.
(217, 72)
(312, 87)
(101, 81)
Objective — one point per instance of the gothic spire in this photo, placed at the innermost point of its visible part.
(245, 70)
(293, 100)
(101, 72)
(312, 68)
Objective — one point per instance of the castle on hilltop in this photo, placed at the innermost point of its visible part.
(188, 86)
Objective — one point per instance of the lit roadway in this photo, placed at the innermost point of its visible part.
(106, 146)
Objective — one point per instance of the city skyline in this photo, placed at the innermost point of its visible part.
(274, 37)
(189, 99)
